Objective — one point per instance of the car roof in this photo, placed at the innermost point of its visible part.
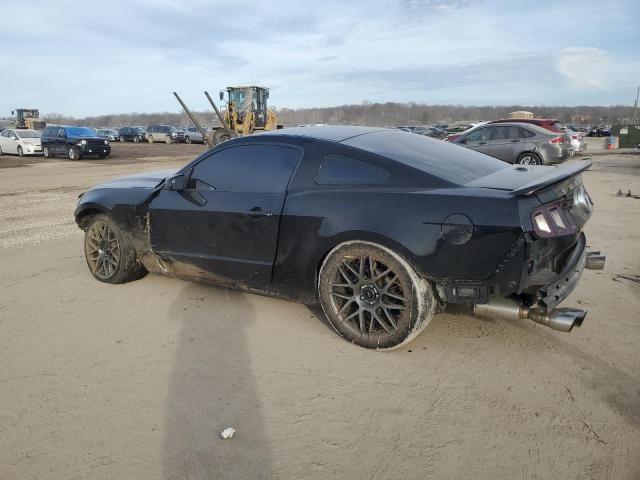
(334, 133)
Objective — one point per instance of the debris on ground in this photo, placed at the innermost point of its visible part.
(628, 194)
(227, 433)
(632, 278)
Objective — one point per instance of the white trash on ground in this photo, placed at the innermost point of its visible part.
(227, 433)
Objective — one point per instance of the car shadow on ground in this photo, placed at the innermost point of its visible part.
(212, 386)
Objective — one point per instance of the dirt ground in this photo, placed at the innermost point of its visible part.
(137, 381)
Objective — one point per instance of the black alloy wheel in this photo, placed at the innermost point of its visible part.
(373, 297)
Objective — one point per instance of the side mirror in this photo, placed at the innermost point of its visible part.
(177, 183)
(221, 95)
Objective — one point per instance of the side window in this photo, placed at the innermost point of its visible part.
(480, 135)
(5, 133)
(341, 170)
(505, 132)
(524, 133)
(246, 168)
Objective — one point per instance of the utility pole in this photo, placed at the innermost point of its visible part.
(635, 106)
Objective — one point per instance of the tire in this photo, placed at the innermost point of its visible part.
(529, 158)
(187, 139)
(20, 152)
(73, 154)
(222, 135)
(167, 139)
(372, 297)
(0, 151)
(136, 139)
(47, 153)
(150, 139)
(122, 139)
(109, 252)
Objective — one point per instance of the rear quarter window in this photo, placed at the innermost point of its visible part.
(343, 170)
(450, 162)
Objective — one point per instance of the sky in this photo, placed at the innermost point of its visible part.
(84, 58)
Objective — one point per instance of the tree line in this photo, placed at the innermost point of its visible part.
(372, 114)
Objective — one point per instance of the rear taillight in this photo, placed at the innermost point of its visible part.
(553, 220)
(557, 140)
(575, 137)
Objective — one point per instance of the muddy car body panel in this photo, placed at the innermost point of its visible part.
(462, 219)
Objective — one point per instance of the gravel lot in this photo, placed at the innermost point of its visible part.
(137, 381)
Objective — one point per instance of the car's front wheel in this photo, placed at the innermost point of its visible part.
(528, 158)
(73, 153)
(110, 253)
(20, 152)
(373, 297)
(150, 139)
(121, 138)
(136, 139)
(187, 140)
(46, 152)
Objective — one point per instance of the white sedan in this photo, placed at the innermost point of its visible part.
(20, 142)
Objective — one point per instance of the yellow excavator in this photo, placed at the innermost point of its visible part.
(246, 113)
(28, 118)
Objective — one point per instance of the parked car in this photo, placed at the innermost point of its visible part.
(110, 134)
(521, 143)
(164, 133)
(20, 142)
(382, 228)
(73, 142)
(552, 124)
(131, 134)
(601, 131)
(578, 143)
(193, 135)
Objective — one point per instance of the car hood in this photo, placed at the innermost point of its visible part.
(525, 180)
(139, 180)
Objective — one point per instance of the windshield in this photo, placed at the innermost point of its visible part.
(29, 134)
(80, 132)
(450, 162)
(243, 99)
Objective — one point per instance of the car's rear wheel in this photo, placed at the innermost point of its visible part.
(121, 138)
(528, 158)
(0, 151)
(373, 297)
(110, 254)
(20, 152)
(73, 153)
(136, 139)
(150, 139)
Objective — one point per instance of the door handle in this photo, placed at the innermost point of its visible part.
(482, 143)
(257, 212)
(515, 140)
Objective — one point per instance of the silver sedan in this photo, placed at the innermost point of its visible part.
(521, 143)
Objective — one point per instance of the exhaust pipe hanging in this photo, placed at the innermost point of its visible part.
(562, 319)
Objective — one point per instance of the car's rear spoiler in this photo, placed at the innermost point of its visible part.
(558, 174)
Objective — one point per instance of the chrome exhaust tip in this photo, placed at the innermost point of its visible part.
(561, 319)
(595, 261)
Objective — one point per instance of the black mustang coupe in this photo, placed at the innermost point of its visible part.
(381, 227)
